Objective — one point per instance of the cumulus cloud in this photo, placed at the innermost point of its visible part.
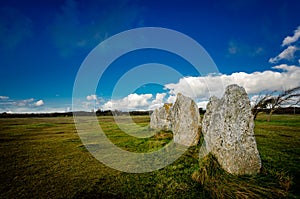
(158, 101)
(171, 99)
(91, 97)
(201, 88)
(39, 103)
(189, 86)
(291, 39)
(279, 77)
(131, 102)
(139, 102)
(286, 54)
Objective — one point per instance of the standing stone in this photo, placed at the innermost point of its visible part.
(228, 129)
(161, 118)
(185, 121)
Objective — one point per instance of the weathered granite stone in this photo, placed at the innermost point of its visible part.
(161, 118)
(185, 121)
(228, 129)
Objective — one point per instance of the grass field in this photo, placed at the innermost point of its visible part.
(44, 158)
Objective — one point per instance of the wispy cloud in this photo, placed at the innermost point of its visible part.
(20, 105)
(291, 39)
(25, 102)
(239, 48)
(233, 48)
(4, 97)
(286, 54)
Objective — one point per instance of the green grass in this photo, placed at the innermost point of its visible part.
(279, 145)
(44, 158)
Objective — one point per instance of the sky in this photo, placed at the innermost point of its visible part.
(43, 44)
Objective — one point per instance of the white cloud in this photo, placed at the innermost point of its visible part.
(91, 97)
(131, 102)
(4, 97)
(171, 99)
(20, 103)
(202, 104)
(26, 103)
(87, 106)
(24, 106)
(158, 101)
(93, 103)
(255, 99)
(68, 109)
(291, 39)
(287, 54)
(201, 88)
(39, 103)
(159, 98)
(191, 86)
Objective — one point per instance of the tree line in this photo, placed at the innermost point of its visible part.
(99, 112)
(284, 101)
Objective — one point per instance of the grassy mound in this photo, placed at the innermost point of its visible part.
(218, 183)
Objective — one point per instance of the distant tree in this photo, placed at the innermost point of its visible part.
(275, 100)
(201, 111)
(260, 104)
(99, 112)
(287, 98)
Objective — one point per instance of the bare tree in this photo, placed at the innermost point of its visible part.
(275, 100)
(260, 104)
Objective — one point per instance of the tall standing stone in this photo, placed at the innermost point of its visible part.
(228, 129)
(185, 121)
(161, 118)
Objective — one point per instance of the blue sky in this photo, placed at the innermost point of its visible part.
(43, 44)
